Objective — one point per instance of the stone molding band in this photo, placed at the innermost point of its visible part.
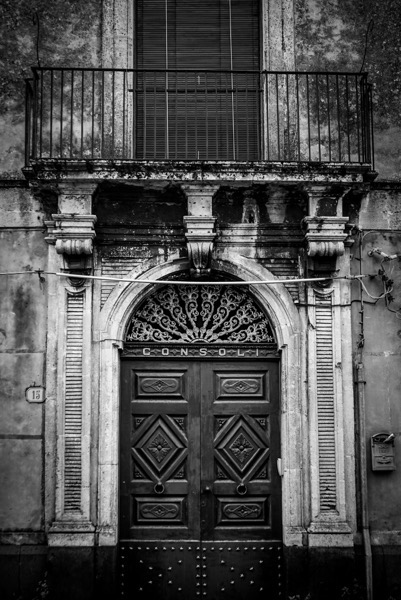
(72, 234)
(325, 236)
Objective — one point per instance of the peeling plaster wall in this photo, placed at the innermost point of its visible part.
(344, 35)
(377, 342)
(32, 32)
(60, 33)
(339, 35)
(335, 36)
(22, 362)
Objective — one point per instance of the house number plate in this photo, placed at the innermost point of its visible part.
(35, 394)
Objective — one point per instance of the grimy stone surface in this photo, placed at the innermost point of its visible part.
(344, 35)
(21, 484)
(140, 230)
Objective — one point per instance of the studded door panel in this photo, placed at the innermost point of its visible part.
(161, 571)
(210, 571)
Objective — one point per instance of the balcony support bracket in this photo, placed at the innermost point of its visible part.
(72, 229)
(325, 226)
(325, 236)
(200, 235)
(73, 237)
(200, 227)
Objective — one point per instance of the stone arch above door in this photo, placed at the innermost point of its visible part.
(276, 302)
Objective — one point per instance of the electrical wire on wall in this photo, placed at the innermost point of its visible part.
(41, 273)
(385, 274)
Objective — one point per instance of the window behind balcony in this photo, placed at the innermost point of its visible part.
(197, 87)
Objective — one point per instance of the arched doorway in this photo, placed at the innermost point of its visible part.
(200, 491)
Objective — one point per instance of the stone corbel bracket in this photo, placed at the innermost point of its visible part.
(325, 236)
(200, 235)
(72, 234)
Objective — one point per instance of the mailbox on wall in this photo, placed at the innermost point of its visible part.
(382, 447)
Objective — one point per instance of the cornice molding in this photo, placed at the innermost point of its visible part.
(71, 234)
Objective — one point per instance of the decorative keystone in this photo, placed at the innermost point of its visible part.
(325, 236)
(200, 240)
(72, 234)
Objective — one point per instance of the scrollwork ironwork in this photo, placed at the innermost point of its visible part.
(190, 314)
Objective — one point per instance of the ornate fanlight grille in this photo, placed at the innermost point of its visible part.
(207, 313)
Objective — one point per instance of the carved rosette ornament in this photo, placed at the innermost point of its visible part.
(200, 236)
(325, 236)
(72, 234)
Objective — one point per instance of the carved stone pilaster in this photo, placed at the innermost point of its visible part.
(200, 237)
(72, 517)
(325, 236)
(330, 416)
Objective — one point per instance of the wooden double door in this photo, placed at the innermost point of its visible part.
(200, 504)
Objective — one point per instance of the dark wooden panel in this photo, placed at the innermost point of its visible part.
(209, 115)
(241, 489)
(251, 385)
(200, 508)
(159, 475)
(159, 384)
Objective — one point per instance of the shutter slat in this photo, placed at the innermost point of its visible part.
(210, 115)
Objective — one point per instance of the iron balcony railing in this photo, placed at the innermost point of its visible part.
(94, 114)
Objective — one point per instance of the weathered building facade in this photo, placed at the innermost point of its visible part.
(200, 301)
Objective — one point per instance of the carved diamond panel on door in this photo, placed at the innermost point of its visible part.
(159, 447)
(241, 449)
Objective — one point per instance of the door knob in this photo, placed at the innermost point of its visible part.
(207, 489)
